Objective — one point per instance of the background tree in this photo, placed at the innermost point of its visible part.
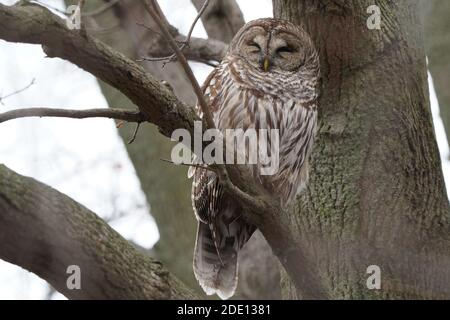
(376, 193)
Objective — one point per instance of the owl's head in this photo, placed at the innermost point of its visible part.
(273, 45)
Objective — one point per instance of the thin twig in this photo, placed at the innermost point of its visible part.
(133, 138)
(119, 114)
(173, 56)
(189, 165)
(17, 91)
(143, 25)
(152, 8)
(200, 13)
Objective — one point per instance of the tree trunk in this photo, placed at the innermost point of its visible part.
(376, 194)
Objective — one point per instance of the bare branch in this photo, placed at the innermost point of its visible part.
(201, 50)
(17, 91)
(119, 114)
(133, 138)
(153, 9)
(188, 37)
(32, 23)
(44, 231)
(222, 19)
(200, 12)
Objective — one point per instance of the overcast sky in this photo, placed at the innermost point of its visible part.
(67, 153)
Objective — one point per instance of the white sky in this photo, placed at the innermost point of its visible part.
(86, 159)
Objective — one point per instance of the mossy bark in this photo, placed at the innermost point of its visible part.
(376, 194)
(45, 232)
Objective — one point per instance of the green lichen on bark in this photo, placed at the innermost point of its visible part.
(376, 192)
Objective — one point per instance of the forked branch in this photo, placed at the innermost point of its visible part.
(185, 44)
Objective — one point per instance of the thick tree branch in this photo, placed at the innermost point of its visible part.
(197, 49)
(45, 231)
(201, 50)
(118, 114)
(204, 50)
(222, 19)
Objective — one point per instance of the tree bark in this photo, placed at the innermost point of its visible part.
(437, 31)
(376, 194)
(45, 232)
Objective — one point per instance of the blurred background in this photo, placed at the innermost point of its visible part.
(88, 159)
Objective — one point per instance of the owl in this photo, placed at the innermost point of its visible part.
(269, 79)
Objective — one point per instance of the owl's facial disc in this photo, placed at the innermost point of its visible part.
(253, 47)
(271, 50)
(285, 51)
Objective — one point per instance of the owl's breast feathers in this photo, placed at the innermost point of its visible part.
(236, 103)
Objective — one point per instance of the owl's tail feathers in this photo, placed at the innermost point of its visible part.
(215, 274)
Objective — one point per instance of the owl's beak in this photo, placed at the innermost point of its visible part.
(265, 63)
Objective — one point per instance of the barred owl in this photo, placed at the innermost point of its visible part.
(268, 80)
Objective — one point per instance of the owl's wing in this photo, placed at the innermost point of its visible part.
(295, 149)
(206, 192)
(221, 229)
(206, 195)
(209, 92)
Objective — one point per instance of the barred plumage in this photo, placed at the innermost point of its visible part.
(268, 80)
